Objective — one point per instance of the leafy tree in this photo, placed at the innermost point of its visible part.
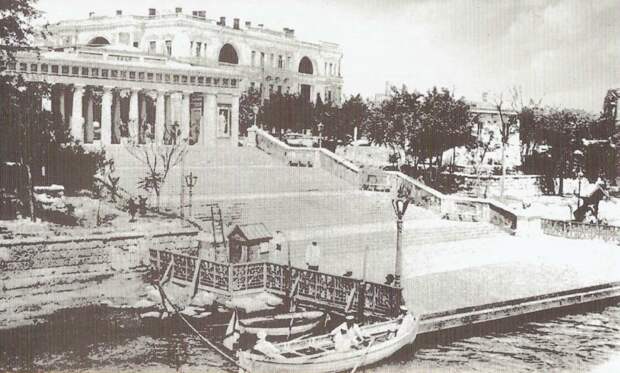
(396, 121)
(562, 131)
(345, 119)
(248, 100)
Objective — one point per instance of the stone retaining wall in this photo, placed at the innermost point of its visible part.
(39, 277)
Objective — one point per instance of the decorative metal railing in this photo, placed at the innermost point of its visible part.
(576, 230)
(312, 287)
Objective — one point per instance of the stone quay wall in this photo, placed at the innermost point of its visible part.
(39, 277)
(583, 231)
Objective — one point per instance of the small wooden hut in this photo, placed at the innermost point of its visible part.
(248, 243)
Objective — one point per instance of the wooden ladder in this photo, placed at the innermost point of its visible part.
(217, 225)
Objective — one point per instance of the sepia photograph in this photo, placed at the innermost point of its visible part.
(309, 186)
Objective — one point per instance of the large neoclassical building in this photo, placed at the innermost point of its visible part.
(161, 75)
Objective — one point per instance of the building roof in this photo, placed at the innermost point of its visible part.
(252, 232)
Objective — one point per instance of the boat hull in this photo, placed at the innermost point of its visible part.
(333, 362)
(283, 325)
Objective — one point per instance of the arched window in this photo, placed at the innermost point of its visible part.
(305, 66)
(228, 54)
(99, 40)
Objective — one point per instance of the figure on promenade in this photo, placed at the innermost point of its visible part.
(313, 256)
(132, 208)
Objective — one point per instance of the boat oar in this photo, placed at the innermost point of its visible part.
(363, 357)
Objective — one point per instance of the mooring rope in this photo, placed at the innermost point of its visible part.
(164, 299)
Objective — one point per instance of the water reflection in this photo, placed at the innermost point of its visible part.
(103, 340)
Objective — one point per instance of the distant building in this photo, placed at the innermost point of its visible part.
(162, 75)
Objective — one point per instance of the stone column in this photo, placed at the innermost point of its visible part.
(175, 114)
(185, 116)
(61, 105)
(210, 128)
(89, 134)
(106, 116)
(77, 121)
(234, 121)
(133, 115)
(160, 117)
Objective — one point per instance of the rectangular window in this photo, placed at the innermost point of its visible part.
(288, 62)
(262, 59)
(44, 68)
(34, 67)
(279, 89)
(168, 47)
(253, 58)
(104, 73)
(192, 80)
(140, 76)
(225, 82)
(167, 78)
(12, 66)
(149, 77)
(54, 69)
(132, 75)
(23, 67)
(331, 69)
(201, 80)
(271, 60)
(175, 78)
(216, 81)
(158, 77)
(198, 49)
(152, 47)
(114, 73)
(94, 72)
(280, 62)
(208, 81)
(84, 71)
(184, 79)
(65, 70)
(75, 70)
(136, 44)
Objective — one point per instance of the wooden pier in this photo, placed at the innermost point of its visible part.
(337, 293)
(320, 290)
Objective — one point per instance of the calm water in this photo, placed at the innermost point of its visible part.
(102, 341)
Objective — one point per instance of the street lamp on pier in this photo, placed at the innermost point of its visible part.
(190, 181)
(399, 204)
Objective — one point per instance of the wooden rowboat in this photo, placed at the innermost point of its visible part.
(318, 354)
(282, 325)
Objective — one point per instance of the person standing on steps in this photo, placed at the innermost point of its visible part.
(313, 256)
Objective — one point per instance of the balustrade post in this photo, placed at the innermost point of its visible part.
(230, 278)
(265, 269)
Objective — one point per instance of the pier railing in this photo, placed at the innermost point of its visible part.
(309, 287)
(577, 230)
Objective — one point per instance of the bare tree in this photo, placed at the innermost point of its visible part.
(508, 124)
(158, 160)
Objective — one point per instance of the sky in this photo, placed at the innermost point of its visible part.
(561, 53)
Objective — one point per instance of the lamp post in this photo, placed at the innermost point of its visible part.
(190, 181)
(255, 111)
(399, 204)
(320, 127)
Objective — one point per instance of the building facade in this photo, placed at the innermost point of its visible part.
(166, 76)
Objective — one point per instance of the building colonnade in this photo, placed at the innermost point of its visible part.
(110, 115)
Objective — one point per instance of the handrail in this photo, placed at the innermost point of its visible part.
(491, 211)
